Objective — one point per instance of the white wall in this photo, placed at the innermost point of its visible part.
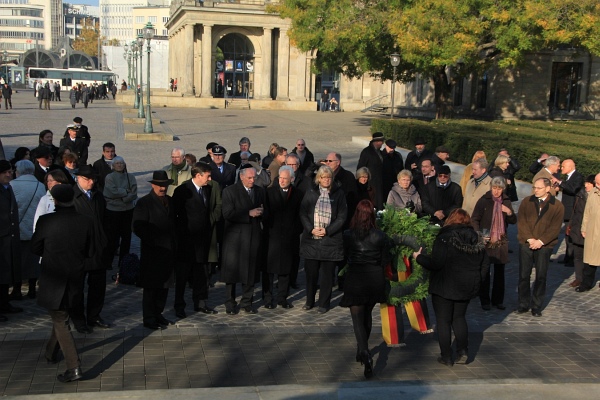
(159, 63)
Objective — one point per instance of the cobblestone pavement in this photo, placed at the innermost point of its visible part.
(277, 347)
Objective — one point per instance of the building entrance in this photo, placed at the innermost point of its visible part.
(234, 67)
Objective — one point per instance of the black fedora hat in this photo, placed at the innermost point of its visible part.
(160, 178)
(87, 171)
(378, 137)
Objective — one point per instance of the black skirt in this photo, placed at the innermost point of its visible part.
(363, 285)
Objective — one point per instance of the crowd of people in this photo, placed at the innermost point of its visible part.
(49, 91)
(255, 219)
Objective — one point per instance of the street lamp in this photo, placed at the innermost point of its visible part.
(140, 46)
(148, 35)
(135, 52)
(4, 60)
(127, 59)
(395, 60)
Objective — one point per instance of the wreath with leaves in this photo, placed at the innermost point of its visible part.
(397, 222)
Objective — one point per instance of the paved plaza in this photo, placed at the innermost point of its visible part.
(279, 353)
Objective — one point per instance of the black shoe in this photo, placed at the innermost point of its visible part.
(521, 310)
(581, 289)
(206, 310)
(285, 304)
(444, 361)
(307, 307)
(84, 329)
(500, 306)
(536, 313)
(322, 310)
(8, 309)
(270, 306)
(367, 361)
(249, 310)
(163, 321)
(71, 375)
(154, 327)
(180, 314)
(461, 358)
(100, 323)
(231, 311)
(486, 307)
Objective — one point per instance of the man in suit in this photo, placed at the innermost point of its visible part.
(90, 202)
(372, 158)
(235, 158)
(62, 272)
(548, 172)
(76, 143)
(441, 196)
(569, 187)
(414, 158)
(427, 175)
(538, 164)
(154, 223)
(197, 205)
(10, 252)
(43, 162)
(103, 166)
(283, 229)
(244, 207)
(540, 219)
(222, 172)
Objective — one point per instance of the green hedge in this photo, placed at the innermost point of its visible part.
(525, 140)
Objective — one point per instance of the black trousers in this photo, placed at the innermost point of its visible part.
(326, 270)
(497, 287)
(118, 232)
(245, 301)
(588, 276)
(153, 304)
(450, 315)
(283, 285)
(528, 260)
(7, 103)
(199, 272)
(578, 261)
(87, 314)
(62, 338)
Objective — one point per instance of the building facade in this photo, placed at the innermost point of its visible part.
(117, 17)
(77, 16)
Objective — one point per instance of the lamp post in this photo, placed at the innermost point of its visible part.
(148, 35)
(395, 60)
(140, 46)
(135, 50)
(4, 60)
(127, 59)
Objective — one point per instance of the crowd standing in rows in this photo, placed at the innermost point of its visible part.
(256, 221)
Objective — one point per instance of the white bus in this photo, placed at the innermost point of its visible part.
(70, 77)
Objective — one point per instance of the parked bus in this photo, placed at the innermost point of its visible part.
(70, 77)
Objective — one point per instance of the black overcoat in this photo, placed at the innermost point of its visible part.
(283, 229)
(10, 247)
(225, 178)
(372, 158)
(392, 165)
(154, 224)
(242, 237)
(94, 208)
(63, 257)
(78, 146)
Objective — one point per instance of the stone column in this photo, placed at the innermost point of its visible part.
(186, 81)
(283, 66)
(206, 61)
(265, 87)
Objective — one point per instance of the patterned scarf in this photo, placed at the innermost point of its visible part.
(497, 231)
(322, 211)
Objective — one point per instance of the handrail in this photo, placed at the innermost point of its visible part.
(373, 100)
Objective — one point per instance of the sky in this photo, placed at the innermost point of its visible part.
(88, 2)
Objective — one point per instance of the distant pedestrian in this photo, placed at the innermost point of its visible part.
(7, 94)
(73, 96)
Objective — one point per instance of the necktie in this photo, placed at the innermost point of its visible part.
(89, 194)
(201, 193)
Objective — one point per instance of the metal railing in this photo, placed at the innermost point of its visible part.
(369, 103)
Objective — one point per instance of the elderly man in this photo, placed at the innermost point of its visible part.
(300, 181)
(235, 158)
(178, 171)
(477, 186)
(414, 158)
(10, 262)
(441, 196)
(590, 230)
(278, 160)
(197, 205)
(549, 171)
(154, 224)
(208, 157)
(222, 172)
(62, 272)
(442, 154)
(372, 158)
(103, 166)
(28, 192)
(540, 219)
(346, 180)
(306, 157)
(244, 207)
(569, 186)
(283, 230)
(43, 162)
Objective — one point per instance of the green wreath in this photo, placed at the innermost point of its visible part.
(397, 222)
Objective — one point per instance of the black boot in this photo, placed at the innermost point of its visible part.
(32, 293)
(367, 361)
(71, 375)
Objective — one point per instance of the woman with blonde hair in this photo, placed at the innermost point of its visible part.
(468, 173)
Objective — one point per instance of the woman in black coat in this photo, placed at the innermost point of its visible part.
(583, 282)
(458, 263)
(322, 213)
(368, 251)
(493, 212)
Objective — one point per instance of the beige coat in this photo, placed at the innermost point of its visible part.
(182, 176)
(473, 193)
(591, 227)
(545, 174)
(464, 181)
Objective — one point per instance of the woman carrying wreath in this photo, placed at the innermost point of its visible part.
(492, 214)
(458, 263)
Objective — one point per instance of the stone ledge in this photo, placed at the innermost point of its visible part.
(136, 120)
(157, 136)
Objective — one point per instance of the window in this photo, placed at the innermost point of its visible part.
(482, 86)
(565, 86)
(152, 19)
(165, 32)
(458, 92)
(139, 19)
(165, 20)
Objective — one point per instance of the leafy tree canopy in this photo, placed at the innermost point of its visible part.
(87, 41)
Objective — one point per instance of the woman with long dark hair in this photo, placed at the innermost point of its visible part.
(458, 263)
(368, 251)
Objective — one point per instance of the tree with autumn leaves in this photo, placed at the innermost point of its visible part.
(443, 40)
(87, 41)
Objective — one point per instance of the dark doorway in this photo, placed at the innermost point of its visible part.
(234, 67)
(564, 90)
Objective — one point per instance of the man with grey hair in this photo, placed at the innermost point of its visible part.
(477, 186)
(244, 158)
(550, 169)
(28, 192)
(306, 157)
(236, 158)
(283, 229)
(301, 181)
(244, 209)
(178, 170)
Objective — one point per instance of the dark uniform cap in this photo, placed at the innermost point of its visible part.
(444, 169)
(218, 150)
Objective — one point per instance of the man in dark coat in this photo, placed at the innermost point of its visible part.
(103, 166)
(301, 181)
(442, 154)
(154, 223)
(62, 272)
(306, 157)
(88, 201)
(43, 161)
(283, 230)
(235, 158)
(345, 179)
(441, 196)
(10, 248)
(222, 172)
(197, 205)
(392, 165)
(76, 144)
(413, 159)
(244, 206)
(372, 158)
(538, 164)
(208, 157)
